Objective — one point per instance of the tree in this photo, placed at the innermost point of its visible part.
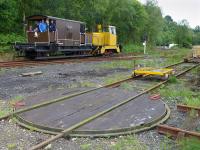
(196, 36)
(8, 15)
(168, 18)
(167, 35)
(197, 29)
(130, 19)
(183, 35)
(154, 21)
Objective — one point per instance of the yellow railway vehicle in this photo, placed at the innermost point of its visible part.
(145, 71)
(105, 40)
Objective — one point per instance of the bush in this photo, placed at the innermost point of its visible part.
(7, 39)
(11, 38)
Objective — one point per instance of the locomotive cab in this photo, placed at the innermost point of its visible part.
(106, 40)
(38, 32)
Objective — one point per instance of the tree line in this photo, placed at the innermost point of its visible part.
(135, 22)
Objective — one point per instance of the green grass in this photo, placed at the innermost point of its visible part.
(180, 93)
(5, 111)
(177, 91)
(176, 52)
(127, 86)
(87, 84)
(115, 78)
(195, 71)
(160, 58)
(155, 59)
(117, 64)
(172, 79)
(85, 146)
(133, 48)
(166, 144)
(2, 71)
(11, 146)
(189, 144)
(192, 101)
(128, 143)
(4, 108)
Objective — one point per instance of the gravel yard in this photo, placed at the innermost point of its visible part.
(69, 76)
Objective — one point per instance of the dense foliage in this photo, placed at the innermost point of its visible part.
(135, 22)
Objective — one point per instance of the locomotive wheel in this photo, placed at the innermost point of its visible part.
(31, 54)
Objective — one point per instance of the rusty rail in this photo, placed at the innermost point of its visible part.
(12, 64)
(186, 108)
(175, 132)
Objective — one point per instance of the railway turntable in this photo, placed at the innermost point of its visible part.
(138, 114)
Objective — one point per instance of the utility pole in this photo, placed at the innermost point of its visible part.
(145, 46)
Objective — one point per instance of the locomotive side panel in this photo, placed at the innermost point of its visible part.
(42, 37)
(68, 33)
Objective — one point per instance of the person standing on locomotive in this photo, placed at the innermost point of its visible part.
(52, 26)
(36, 29)
(42, 26)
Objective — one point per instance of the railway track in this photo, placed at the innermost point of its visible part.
(185, 108)
(178, 132)
(87, 120)
(23, 63)
(115, 84)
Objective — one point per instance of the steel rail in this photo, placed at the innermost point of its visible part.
(186, 108)
(11, 64)
(87, 120)
(175, 132)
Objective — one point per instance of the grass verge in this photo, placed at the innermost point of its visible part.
(128, 143)
(189, 144)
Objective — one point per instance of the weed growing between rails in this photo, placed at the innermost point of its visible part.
(6, 107)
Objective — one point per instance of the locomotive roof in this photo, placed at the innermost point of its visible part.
(39, 17)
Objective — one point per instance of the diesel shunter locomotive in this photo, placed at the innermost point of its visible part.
(52, 37)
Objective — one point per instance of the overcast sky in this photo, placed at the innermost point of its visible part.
(181, 9)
